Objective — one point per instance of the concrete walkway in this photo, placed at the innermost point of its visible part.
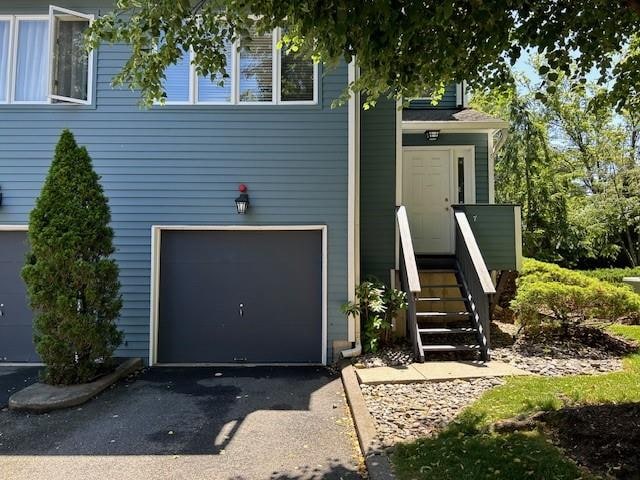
(436, 372)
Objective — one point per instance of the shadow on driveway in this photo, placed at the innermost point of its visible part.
(233, 423)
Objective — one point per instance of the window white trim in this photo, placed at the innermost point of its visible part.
(234, 74)
(14, 27)
(52, 14)
(9, 72)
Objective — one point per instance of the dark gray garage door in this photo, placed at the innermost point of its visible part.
(240, 296)
(16, 319)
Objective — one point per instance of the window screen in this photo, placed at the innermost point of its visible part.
(70, 58)
(219, 90)
(256, 69)
(296, 77)
(176, 81)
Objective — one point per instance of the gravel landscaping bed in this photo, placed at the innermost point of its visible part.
(406, 412)
(397, 356)
(585, 351)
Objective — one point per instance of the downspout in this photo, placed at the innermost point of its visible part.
(353, 215)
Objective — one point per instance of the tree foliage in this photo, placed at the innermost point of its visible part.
(71, 281)
(574, 165)
(404, 47)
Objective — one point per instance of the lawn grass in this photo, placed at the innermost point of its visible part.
(502, 457)
(468, 450)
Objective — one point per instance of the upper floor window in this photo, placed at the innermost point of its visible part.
(43, 59)
(257, 73)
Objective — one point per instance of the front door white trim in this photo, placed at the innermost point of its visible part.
(156, 235)
(469, 153)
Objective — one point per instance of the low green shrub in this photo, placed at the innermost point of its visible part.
(376, 306)
(613, 275)
(548, 293)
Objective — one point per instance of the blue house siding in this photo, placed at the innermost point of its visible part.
(448, 100)
(378, 190)
(182, 165)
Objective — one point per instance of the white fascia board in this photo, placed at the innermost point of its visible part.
(419, 127)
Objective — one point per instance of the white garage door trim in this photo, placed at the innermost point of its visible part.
(156, 235)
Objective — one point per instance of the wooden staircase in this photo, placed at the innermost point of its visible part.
(444, 315)
(448, 296)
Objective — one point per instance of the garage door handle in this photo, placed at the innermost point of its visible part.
(1, 307)
(241, 309)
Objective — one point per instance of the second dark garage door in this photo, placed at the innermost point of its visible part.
(240, 296)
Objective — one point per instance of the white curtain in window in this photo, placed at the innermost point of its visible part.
(4, 59)
(212, 91)
(256, 67)
(32, 61)
(176, 82)
(296, 79)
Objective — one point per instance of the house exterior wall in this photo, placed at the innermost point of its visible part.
(378, 183)
(377, 190)
(182, 165)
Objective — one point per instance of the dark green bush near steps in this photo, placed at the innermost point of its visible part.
(72, 283)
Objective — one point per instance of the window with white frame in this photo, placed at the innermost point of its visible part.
(257, 73)
(43, 59)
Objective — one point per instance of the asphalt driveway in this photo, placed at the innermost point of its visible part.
(192, 423)
(13, 379)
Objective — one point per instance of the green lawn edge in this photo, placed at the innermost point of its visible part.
(467, 449)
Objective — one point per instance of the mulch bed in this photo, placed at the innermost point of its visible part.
(604, 438)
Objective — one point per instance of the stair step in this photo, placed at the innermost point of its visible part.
(443, 314)
(441, 330)
(438, 270)
(442, 299)
(450, 348)
(444, 285)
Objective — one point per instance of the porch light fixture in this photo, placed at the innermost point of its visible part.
(432, 135)
(242, 202)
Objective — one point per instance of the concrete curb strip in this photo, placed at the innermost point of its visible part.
(41, 398)
(378, 463)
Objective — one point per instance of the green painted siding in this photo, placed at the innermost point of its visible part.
(479, 140)
(378, 190)
(494, 227)
(448, 100)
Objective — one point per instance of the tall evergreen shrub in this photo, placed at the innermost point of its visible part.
(71, 281)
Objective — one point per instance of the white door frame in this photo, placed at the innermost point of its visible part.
(455, 150)
(156, 236)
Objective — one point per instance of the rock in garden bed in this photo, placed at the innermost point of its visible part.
(584, 351)
(409, 411)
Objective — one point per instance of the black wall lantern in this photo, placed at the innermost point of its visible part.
(242, 202)
(432, 135)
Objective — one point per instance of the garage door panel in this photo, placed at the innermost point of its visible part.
(206, 275)
(16, 322)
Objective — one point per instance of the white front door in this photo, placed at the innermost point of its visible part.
(427, 194)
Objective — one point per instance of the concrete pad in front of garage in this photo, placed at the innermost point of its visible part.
(192, 423)
(437, 372)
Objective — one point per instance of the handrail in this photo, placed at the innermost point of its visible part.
(474, 252)
(409, 256)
